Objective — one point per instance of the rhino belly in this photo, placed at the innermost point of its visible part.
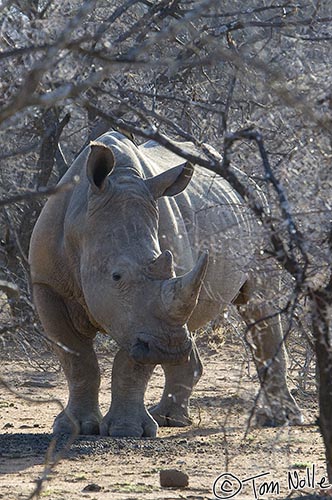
(229, 242)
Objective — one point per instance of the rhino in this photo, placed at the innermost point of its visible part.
(148, 248)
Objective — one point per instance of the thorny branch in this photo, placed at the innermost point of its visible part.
(283, 255)
(212, 162)
(30, 94)
(42, 191)
(161, 25)
(24, 96)
(285, 252)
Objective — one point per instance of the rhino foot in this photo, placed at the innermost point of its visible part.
(279, 414)
(116, 426)
(68, 422)
(171, 415)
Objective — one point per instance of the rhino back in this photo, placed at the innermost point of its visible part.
(208, 215)
(212, 214)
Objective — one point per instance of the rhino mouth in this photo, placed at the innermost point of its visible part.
(147, 350)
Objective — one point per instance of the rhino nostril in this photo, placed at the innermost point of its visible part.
(143, 344)
(147, 350)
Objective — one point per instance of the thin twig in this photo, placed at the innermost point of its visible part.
(42, 191)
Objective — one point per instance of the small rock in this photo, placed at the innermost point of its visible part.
(92, 487)
(173, 478)
(8, 425)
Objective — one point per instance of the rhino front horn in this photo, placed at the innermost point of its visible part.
(179, 295)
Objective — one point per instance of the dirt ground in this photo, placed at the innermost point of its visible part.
(216, 444)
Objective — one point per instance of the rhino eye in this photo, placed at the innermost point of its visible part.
(116, 277)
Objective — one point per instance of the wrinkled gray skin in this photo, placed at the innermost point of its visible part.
(124, 253)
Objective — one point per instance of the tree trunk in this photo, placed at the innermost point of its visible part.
(321, 302)
(17, 238)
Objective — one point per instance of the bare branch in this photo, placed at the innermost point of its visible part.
(42, 191)
(49, 145)
(10, 289)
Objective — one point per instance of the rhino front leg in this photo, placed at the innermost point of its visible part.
(128, 416)
(276, 405)
(173, 409)
(78, 361)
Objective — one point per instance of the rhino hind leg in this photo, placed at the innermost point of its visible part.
(173, 409)
(276, 406)
(128, 416)
(77, 357)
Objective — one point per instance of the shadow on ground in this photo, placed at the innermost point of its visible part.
(220, 402)
(19, 451)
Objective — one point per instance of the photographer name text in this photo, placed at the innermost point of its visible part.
(260, 486)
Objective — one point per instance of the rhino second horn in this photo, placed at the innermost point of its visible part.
(179, 295)
(162, 267)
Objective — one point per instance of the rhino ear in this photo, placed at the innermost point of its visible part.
(171, 182)
(99, 165)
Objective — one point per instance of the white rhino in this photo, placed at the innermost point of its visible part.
(101, 259)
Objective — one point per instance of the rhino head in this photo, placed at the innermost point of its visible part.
(129, 285)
